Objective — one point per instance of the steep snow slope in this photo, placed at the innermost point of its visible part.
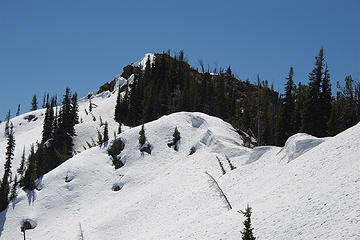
(29, 132)
(166, 195)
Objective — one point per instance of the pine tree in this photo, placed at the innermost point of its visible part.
(325, 101)
(176, 138)
(7, 123)
(34, 103)
(4, 187)
(117, 107)
(247, 233)
(142, 137)
(44, 101)
(48, 125)
(106, 133)
(21, 169)
(287, 121)
(314, 116)
(13, 192)
(18, 110)
(28, 180)
(65, 130)
(74, 110)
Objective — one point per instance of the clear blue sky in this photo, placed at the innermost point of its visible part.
(46, 46)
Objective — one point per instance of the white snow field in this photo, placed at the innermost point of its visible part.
(309, 189)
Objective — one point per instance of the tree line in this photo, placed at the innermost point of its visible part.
(170, 84)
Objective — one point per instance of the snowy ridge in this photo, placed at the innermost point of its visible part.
(308, 189)
(142, 63)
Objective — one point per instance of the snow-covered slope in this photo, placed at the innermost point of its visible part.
(308, 189)
(166, 195)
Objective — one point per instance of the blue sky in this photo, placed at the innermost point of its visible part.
(46, 46)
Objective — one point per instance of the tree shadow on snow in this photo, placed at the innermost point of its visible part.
(31, 195)
(2, 220)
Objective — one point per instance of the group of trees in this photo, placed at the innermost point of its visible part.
(56, 145)
(168, 84)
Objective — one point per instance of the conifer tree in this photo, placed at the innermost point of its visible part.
(7, 123)
(13, 192)
(142, 137)
(247, 233)
(74, 110)
(18, 110)
(106, 133)
(176, 138)
(34, 103)
(5, 183)
(318, 99)
(117, 107)
(325, 101)
(28, 180)
(287, 121)
(21, 169)
(44, 99)
(48, 125)
(65, 130)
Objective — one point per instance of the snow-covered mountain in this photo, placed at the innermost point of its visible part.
(308, 189)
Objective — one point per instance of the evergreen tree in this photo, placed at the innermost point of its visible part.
(318, 99)
(48, 125)
(247, 233)
(74, 111)
(5, 183)
(106, 133)
(117, 107)
(7, 123)
(325, 101)
(28, 180)
(176, 138)
(18, 110)
(65, 130)
(21, 169)
(302, 92)
(287, 121)
(13, 192)
(350, 114)
(34, 103)
(142, 137)
(44, 99)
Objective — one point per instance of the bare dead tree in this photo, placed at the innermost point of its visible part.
(232, 167)
(81, 236)
(221, 166)
(216, 187)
